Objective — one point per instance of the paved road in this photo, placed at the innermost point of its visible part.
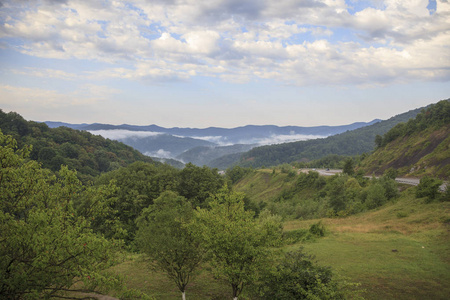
(410, 181)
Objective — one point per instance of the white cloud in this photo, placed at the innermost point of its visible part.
(279, 139)
(45, 73)
(293, 42)
(119, 134)
(220, 140)
(161, 153)
(47, 104)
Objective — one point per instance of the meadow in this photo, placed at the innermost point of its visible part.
(398, 251)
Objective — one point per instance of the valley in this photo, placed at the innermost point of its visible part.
(205, 146)
(365, 226)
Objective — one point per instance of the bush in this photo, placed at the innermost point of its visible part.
(428, 187)
(375, 196)
(317, 229)
(295, 236)
(296, 276)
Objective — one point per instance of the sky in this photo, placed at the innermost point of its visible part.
(223, 63)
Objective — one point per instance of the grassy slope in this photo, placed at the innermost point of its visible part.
(427, 153)
(263, 185)
(360, 248)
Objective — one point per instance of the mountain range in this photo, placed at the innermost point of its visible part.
(202, 146)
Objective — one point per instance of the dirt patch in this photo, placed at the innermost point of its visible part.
(412, 159)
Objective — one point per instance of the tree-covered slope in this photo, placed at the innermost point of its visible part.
(205, 155)
(89, 154)
(416, 148)
(353, 142)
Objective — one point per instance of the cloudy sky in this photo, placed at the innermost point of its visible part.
(227, 63)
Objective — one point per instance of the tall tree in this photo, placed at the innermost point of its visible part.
(139, 184)
(45, 247)
(165, 238)
(237, 242)
(197, 184)
(349, 167)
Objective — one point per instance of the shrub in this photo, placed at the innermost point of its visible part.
(317, 229)
(428, 187)
(296, 276)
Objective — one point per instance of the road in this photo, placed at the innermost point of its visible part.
(410, 181)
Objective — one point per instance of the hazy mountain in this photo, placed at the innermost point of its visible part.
(163, 145)
(350, 143)
(249, 134)
(156, 141)
(205, 155)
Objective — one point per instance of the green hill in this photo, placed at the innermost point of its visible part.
(417, 148)
(89, 154)
(399, 250)
(349, 143)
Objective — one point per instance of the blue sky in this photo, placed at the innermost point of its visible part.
(225, 63)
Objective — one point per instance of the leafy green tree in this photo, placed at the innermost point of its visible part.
(139, 184)
(197, 184)
(46, 247)
(349, 167)
(428, 187)
(378, 140)
(90, 155)
(375, 196)
(390, 186)
(165, 238)
(391, 173)
(296, 276)
(237, 173)
(336, 193)
(237, 242)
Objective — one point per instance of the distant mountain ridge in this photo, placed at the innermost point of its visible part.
(202, 146)
(233, 135)
(355, 142)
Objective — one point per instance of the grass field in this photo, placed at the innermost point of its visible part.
(400, 251)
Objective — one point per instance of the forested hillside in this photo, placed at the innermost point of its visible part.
(350, 143)
(416, 148)
(89, 154)
(208, 155)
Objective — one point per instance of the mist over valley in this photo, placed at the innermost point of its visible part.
(202, 146)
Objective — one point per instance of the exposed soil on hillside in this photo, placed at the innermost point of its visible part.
(411, 158)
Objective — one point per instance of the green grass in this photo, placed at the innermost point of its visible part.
(358, 248)
(158, 285)
(415, 271)
(361, 248)
(263, 186)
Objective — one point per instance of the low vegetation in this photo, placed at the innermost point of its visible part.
(417, 148)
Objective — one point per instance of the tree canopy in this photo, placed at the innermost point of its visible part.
(89, 154)
(165, 238)
(45, 246)
(237, 242)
